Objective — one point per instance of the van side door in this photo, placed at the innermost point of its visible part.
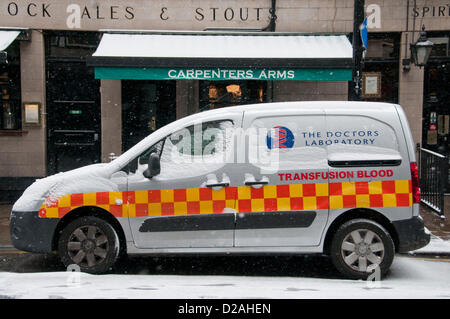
(191, 202)
(282, 195)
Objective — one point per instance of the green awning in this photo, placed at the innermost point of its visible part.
(218, 56)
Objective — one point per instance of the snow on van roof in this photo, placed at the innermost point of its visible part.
(357, 105)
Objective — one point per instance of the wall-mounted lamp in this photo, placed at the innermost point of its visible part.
(420, 51)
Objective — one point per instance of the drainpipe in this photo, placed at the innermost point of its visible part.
(358, 19)
(273, 17)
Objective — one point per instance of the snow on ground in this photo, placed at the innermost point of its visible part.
(409, 278)
(436, 246)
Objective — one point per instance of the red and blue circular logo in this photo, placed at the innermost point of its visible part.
(280, 137)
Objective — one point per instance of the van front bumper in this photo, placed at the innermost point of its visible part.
(411, 234)
(29, 232)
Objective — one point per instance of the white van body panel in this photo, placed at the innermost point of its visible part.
(379, 153)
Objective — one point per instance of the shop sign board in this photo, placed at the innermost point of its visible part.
(219, 74)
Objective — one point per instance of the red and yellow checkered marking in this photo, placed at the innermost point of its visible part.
(283, 197)
(110, 201)
(180, 201)
(289, 197)
(374, 194)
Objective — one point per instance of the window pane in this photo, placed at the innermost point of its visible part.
(380, 48)
(146, 107)
(440, 47)
(383, 46)
(156, 148)
(202, 139)
(219, 94)
(10, 96)
(73, 44)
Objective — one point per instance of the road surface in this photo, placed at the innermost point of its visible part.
(24, 275)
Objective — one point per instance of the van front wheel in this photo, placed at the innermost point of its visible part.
(90, 243)
(362, 247)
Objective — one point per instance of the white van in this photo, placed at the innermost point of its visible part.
(335, 178)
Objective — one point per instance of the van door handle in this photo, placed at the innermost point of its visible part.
(256, 183)
(218, 185)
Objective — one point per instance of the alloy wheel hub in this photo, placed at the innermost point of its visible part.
(362, 249)
(88, 245)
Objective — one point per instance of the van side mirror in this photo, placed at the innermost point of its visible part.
(154, 166)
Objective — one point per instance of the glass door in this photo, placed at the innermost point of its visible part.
(146, 106)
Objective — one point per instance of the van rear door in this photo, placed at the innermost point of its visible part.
(369, 162)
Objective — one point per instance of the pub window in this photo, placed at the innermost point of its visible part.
(10, 96)
(441, 46)
(381, 59)
(72, 44)
(219, 94)
(146, 106)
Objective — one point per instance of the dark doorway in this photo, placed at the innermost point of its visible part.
(146, 106)
(73, 102)
(436, 111)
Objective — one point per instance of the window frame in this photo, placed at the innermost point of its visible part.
(203, 131)
(14, 85)
(205, 102)
(133, 165)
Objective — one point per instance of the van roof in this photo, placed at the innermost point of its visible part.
(324, 105)
(355, 107)
(337, 106)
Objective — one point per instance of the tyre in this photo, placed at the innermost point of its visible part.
(89, 242)
(360, 246)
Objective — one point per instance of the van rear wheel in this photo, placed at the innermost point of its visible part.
(360, 246)
(89, 242)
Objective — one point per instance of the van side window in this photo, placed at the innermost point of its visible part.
(202, 139)
(140, 163)
(197, 150)
(194, 150)
(155, 148)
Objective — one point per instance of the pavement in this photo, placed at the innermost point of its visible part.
(438, 226)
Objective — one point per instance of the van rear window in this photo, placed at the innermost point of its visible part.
(354, 141)
(349, 131)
